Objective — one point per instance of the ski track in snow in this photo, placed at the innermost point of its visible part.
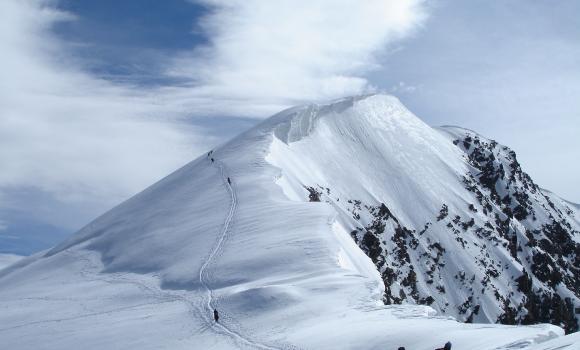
(164, 297)
(203, 271)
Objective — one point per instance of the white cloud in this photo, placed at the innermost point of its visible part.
(266, 55)
(83, 140)
(72, 135)
(402, 87)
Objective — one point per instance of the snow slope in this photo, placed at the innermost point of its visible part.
(284, 272)
(448, 216)
(8, 259)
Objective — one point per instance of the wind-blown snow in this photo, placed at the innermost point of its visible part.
(283, 272)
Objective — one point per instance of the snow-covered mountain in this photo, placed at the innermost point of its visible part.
(448, 217)
(307, 232)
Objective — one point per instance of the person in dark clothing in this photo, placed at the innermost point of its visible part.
(229, 181)
(216, 316)
(446, 347)
(212, 160)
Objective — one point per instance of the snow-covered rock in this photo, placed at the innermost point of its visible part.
(268, 229)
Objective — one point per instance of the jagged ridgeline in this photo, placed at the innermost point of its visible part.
(510, 255)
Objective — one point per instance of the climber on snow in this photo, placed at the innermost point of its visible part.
(446, 347)
(216, 316)
(229, 181)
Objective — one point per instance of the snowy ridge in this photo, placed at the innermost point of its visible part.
(279, 253)
(440, 212)
(203, 271)
(296, 123)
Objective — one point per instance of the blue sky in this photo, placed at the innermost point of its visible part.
(130, 39)
(101, 98)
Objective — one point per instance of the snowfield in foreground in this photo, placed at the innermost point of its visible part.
(236, 230)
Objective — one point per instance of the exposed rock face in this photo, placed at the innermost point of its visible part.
(539, 235)
(523, 243)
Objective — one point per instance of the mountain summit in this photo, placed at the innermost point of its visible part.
(347, 225)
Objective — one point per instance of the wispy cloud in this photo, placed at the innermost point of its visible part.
(89, 141)
(67, 133)
(266, 55)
